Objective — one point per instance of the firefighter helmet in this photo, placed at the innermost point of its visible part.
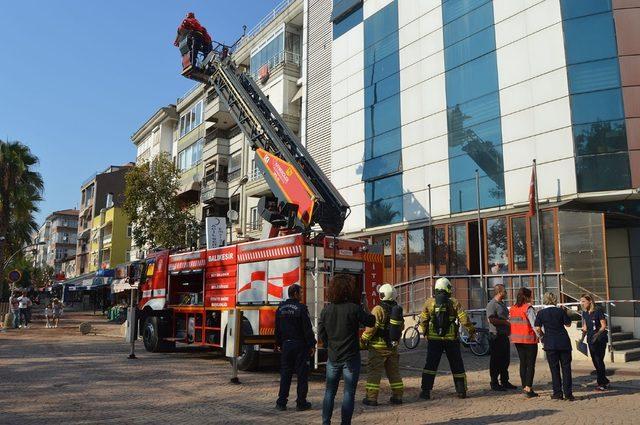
(443, 284)
(386, 292)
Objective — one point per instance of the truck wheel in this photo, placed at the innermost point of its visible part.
(249, 356)
(151, 334)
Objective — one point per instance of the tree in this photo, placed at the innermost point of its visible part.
(380, 213)
(158, 217)
(20, 191)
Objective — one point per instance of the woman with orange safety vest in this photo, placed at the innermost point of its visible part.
(522, 317)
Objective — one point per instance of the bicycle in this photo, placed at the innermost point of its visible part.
(479, 346)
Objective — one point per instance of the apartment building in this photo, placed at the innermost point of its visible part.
(100, 191)
(153, 138)
(407, 100)
(219, 169)
(110, 238)
(59, 233)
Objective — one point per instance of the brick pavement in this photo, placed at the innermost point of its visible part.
(52, 376)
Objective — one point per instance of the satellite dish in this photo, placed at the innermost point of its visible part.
(232, 215)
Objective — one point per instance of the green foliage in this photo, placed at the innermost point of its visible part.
(157, 216)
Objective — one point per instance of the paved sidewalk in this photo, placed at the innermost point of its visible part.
(56, 376)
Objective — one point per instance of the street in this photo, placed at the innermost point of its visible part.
(55, 376)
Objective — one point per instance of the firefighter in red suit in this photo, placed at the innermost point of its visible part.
(191, 25)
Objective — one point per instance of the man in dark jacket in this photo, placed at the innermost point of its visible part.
(294, 337)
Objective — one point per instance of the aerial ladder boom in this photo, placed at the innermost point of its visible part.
(304, 192)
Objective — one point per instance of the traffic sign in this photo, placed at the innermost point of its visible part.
(14, 276)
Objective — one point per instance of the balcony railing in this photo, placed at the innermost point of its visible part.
(264, 22)
(214, 189)
(256, 174)
(280, 58)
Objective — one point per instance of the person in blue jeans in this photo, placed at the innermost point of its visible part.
(338, 328)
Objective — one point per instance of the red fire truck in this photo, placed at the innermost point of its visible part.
(187, 297)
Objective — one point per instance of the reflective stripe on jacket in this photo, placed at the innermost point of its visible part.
(456, 315)
(372, 336)
(521, 330)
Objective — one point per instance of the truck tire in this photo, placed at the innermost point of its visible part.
(152, 333)
(249, 356)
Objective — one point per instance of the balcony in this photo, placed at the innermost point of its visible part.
(106, 240)
(216, 142)
(253, 230)
(214, 189)
(257, 185)
(217, 112)
(280, 61)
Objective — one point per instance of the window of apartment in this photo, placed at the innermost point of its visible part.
(458, 249)
(65, 238)
(268, 53)
(400, 257)
(127, 256)
(497, 249)
(520, 244)
(346, 14)
(190, 156)
(419, 241)
(192, 118)
(129, 230)
(235, 165)
(254, 218)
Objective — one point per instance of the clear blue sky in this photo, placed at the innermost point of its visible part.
(79, 77)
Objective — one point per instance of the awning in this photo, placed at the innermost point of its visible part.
(298, 95)
(121, 285)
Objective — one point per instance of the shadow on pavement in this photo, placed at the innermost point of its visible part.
(493, 419)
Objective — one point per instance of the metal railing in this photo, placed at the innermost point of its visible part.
(188, 92)
(279, 58)
(255, 174)
(473, 291)
(281, 7)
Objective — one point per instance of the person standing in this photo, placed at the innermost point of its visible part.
(338, 328)
(15, 309)
(594, 326)
(57, 311)
(439, 322)
(499, 330)
(24, 303)
(524, 337)
(294, 337)
(550, 324)
(383, 347)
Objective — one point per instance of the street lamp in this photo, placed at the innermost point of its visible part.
(241, 183)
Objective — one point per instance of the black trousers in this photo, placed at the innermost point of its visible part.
(435, 348)
(294, 358)
(527, 354)
(597, 352)
(500, 358)
(560, 360)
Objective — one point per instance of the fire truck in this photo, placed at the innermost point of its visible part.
(186, 297)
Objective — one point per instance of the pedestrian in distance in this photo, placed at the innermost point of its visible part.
(439, 323)
(524, 337)
(594, 327)
(551, 323)
(48, 315)
(57, 308)
(338, 329)
(382, 341)
(499, 330)
(15, 309)
(24, 303)
(296, 342)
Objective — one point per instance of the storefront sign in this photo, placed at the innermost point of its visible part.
(216, 231)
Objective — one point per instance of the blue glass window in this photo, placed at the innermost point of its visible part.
(381, 166)
(383, 157)
(603, 172)
(473, 105)
(600, 137)
(577, 8)
(593, 76)
(472, 80)
(472, 22)
(268, 52)
(603, 105)
(346, 15)
(454, 9)
(590, 38)
(469, 48)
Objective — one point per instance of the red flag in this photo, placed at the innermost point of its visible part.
(532, 194)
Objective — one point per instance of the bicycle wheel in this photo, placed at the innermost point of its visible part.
(411, 337)
(481, 346)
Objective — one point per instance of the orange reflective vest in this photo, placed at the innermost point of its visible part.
(521, 330)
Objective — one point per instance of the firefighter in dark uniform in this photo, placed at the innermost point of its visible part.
(295, 338)
(439, 323)
(382, 341)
